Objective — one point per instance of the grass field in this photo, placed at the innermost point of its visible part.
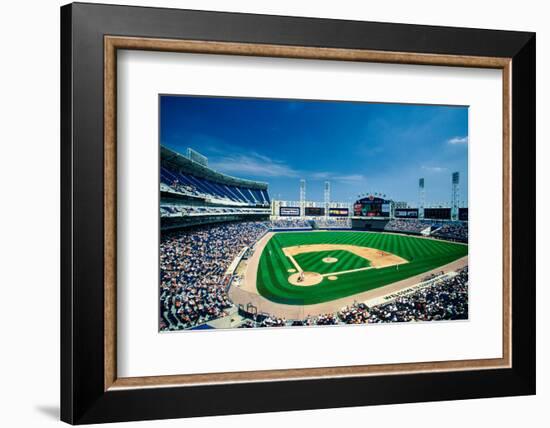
(313, 262)
(422, 255)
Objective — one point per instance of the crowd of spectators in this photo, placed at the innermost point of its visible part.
(193, 290)
(326, 319)
(333, 223)
(453, 230)
(271, 321)
(354, 314)
(407, 225)
(445, 300)
(192, 268)
(291, 223)
(456, 230)
(171, 210)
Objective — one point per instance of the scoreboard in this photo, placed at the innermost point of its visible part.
(338, 212)
(463, 214)
(372, 207)
(289, 211)
(314, 211)
(437, 213)
(406, 212)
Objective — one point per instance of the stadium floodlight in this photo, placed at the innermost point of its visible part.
(421, 198)
(455, 195)
(327, 197)
(302, 197)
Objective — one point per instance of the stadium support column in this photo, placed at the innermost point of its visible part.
(421, 198)
(302, 198)
(327, 197)
(455, 195)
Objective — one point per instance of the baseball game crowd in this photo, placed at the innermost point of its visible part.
(406, 225)
(290, 224)
(192, 274)
(192, 267)
(453, 230)
(446, 300)
(456, 231)
(333, 223)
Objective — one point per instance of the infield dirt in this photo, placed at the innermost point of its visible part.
(247, 292)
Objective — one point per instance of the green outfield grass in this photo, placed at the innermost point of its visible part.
(423, 255)
(313, 262)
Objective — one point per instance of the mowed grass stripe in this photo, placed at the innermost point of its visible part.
(313, 261)
(272, 280)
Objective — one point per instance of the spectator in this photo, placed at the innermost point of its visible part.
(445, 300)
(192, 268)
(291, 223)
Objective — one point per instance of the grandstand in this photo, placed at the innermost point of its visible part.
(267, 221)
(211, 224)
(192, 194)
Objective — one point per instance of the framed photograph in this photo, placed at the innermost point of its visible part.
(276, 213)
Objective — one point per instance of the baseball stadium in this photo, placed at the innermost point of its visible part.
(235, 254)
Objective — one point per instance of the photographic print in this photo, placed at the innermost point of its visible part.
(285, 212)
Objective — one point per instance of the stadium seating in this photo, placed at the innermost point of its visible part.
(196, 186)
(451, 230)
(192, 271)
(178, 210)
(290, 223)
(333, 223)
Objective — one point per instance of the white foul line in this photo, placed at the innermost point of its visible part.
(296, 265)
(347, 271)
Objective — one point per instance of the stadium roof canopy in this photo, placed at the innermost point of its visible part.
(186, 165)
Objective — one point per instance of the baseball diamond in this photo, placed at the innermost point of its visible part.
(355, 274)
(314, 261)
(296, 212)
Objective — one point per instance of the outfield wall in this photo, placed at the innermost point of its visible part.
(289, 229)
(369, 224)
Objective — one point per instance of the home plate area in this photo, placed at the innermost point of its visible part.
(305, 279)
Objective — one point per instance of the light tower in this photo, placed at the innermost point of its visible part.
(302, 197)
(327, 197)
(421, 198)
(455, 195)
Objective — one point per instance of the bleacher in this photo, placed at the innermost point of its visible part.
(178, 210)
(456, 231)
(193, 194)
(189, 184)
(453, 230)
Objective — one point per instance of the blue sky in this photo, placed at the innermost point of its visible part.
(358, 147)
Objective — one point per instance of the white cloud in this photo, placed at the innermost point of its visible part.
(434, 168)
(350, 178)
(458, 140)
(319, 175)
(253, 164)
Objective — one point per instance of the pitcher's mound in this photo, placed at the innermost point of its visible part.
(310, 278)
(330, 259)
